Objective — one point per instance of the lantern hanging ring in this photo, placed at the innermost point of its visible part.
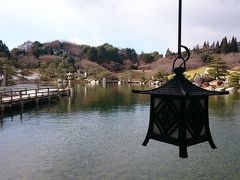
(182, 66)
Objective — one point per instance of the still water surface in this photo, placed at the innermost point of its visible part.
(97, 134)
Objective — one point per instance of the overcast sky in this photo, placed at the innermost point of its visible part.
(145, 25)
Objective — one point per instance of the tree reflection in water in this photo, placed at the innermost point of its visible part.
(225, 106)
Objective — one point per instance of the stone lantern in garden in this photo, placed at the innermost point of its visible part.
(179, 109)
(70, 76)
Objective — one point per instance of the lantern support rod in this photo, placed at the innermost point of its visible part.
(179, 55)
(179, 27)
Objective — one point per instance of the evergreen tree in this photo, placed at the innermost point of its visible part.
(204, 45)
(196, 49)
(234, 80)
(6, 68)
(207, 45)
(224, 46)
(101, 54)
(3, 47)
(92, 53)
(229, 47)
(168, 53)
(4, 51)
(161, 76)
(131, 54)
(36, 49)
(36, 52)
(113, 55)
(206, 57)
(217, 48)
(213, 46)
(218, 68)
(234, 45)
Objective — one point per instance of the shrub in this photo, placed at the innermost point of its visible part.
(234, 80)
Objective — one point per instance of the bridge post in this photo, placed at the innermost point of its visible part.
(20, 94)
(22, 105)
(58, 92)
(49, 98)
(1, 121)
(36, 98)
(2, 109)
(11, 95)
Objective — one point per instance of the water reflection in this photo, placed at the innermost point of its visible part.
(97, 134)
(225, 106)
(102, 98)
(109, 98)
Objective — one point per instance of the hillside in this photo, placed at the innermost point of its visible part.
(113, 58)
(232, 61)
(54, 59)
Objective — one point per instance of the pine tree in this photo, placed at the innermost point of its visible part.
(236, 45)
(233, 45)
(224, 46)
(204, 45)
(6, 68)
(3, 47)
(206, 57)
(217, 45)
(196, 49)
(218, 68)
(229, 47)
(217, 48)
(4, 51)
(207, 45)
(168, 53)
(234, 80)
(213, 46)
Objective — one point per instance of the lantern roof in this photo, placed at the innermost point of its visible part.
(179, 86)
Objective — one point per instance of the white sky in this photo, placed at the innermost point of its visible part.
(145, 25)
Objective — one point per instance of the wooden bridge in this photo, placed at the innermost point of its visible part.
(19, 98)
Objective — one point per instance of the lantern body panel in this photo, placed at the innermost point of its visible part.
(179, 121)
(165, 117)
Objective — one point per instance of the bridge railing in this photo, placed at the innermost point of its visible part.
(12, 95)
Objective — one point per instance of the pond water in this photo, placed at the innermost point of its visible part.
(97, 134)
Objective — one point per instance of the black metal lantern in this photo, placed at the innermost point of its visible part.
(179, 109)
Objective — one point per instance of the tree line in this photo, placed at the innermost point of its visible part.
(100, 54)
(220, 47)
(54, 59)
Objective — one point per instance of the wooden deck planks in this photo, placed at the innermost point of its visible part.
(20, 97)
